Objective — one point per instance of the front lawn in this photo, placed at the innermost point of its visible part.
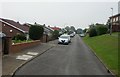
(106, 48)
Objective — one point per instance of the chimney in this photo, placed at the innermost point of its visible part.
(48, 25)
(43, 24)
(18, 22)
(35, 23)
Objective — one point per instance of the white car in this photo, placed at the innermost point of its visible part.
(82, 35)
(71, 35)
(64, 39)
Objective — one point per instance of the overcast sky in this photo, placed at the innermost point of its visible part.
(78, 14)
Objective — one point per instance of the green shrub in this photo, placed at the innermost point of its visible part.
(85, 30)
(36, 32)
(20, 37)
(92, 32)
(55, 34)
(101, 29)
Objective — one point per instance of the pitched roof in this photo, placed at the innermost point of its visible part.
(26, 26)
(49, 28)
(55, 28)
(16, 25)
(115, 15)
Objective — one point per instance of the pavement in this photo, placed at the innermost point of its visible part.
(10, 63)
(73, 59)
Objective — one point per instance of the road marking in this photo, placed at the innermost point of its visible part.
(32, 53)
(27, 56)
(21, 58)
(24, 57)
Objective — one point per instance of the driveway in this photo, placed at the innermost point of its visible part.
(73, 59)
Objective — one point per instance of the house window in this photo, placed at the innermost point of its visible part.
(113, 19)
(116, 18)
(11, 30)
(4, 25)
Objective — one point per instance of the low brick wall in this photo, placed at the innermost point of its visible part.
(18, 47)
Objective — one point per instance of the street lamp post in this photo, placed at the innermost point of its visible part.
(111, 22)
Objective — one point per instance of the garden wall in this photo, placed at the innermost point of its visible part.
(18, 47)
(44, 38)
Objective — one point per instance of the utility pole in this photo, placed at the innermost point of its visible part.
(111, 22)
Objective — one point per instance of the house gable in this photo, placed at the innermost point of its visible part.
(12, 26)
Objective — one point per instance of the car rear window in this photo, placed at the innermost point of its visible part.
(63, 36)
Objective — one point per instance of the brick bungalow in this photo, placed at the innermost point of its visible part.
(10, 28)
(115, 20)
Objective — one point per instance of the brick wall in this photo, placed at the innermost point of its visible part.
(18, 47)
(116, 28)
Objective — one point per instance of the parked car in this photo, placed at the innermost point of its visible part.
(82, 35)
(71, 35)
(64, 39)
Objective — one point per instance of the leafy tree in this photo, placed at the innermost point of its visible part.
(55, 34)
(85, 30)
(97, 29)
(36, 32)
(101, 29)
(72, 28)
(92, 32)
(92, 25)
(67, 28)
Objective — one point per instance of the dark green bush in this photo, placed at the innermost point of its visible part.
(92, 32)
(85, 30)
(55, 34)
(36, 32)
(21, 37)
(101, 29)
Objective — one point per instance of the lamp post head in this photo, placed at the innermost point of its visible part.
(112, 8)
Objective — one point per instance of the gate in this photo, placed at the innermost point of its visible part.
(6, 44)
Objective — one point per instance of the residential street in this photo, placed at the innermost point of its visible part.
(73, 59)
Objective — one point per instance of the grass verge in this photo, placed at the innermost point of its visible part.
(106, 48)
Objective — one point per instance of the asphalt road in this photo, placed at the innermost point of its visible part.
(73, 59)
